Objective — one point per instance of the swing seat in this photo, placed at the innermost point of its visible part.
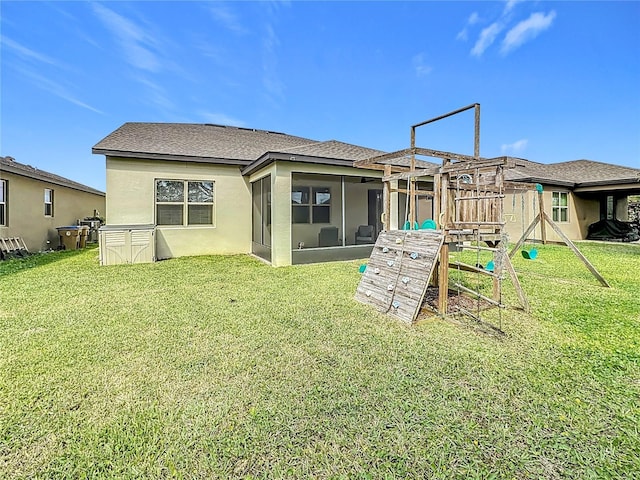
(530, 254)
(429, 225)
(407, 226)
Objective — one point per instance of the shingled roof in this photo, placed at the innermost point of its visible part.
(9, 164)
(250, 148)
(194, 142)
(575, 173)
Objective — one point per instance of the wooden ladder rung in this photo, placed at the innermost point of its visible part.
(481, 224)
(470, 268)
(479, 197)
(477, 247)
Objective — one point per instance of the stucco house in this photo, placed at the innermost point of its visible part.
(576, 194)
(33, 203)
(214, 189)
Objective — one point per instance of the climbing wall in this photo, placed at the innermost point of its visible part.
(398, 271)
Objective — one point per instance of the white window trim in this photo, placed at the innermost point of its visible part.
(48, 203)
(312, 203)
(185, 204)
(3, 202)
(558, 208)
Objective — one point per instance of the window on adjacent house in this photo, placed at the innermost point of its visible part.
(48, 202)
(184, 202)
(611, 207)
(311, 205)
(560, 208)
(3, 203)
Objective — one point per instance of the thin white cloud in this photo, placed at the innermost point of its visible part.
(515, 147)
(220, 119)
(509, 6)
(56, 89)
(25, 52)
(136, 43)
(527, 30)
(420, 66)
(227, 18)
(487, 37)
(155, 94)
(270, 79)
(472, 20)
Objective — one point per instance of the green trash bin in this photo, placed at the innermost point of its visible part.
(70, 237)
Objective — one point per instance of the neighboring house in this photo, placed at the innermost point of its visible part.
(34, 202)
(576, 194)
(213, 189)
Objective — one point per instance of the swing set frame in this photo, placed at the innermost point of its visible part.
(543, 219)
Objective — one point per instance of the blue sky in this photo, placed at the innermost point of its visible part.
(556, 81)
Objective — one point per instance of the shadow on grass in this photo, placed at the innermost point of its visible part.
(16, 265)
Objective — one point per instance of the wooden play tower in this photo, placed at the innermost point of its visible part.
(468, 214)
(468, 196)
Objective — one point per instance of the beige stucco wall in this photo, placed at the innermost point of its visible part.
(131, 201)
(587, 211)
(582, 212)
(622, 209)
(25, 210)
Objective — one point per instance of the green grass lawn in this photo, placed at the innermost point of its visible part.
(223, 367)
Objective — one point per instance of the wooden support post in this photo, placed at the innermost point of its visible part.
(497, 270)
(412, 203)
(443, 279)
(444, 216)
(578, 253)
(524, 236)
(436, 200)
(412, 182)
(516, 283)
(543, 230)
(386, 193)
(476, 131)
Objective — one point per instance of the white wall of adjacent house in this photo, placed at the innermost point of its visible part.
(131, 200)
(27, 218)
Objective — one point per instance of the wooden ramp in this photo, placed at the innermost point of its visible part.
(399, 270)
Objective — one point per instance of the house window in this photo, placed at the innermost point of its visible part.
(184, 202)
(48, 202)
(311, 204)
(560, 208)
(3, 203)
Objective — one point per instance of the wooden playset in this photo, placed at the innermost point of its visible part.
(468, 214)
